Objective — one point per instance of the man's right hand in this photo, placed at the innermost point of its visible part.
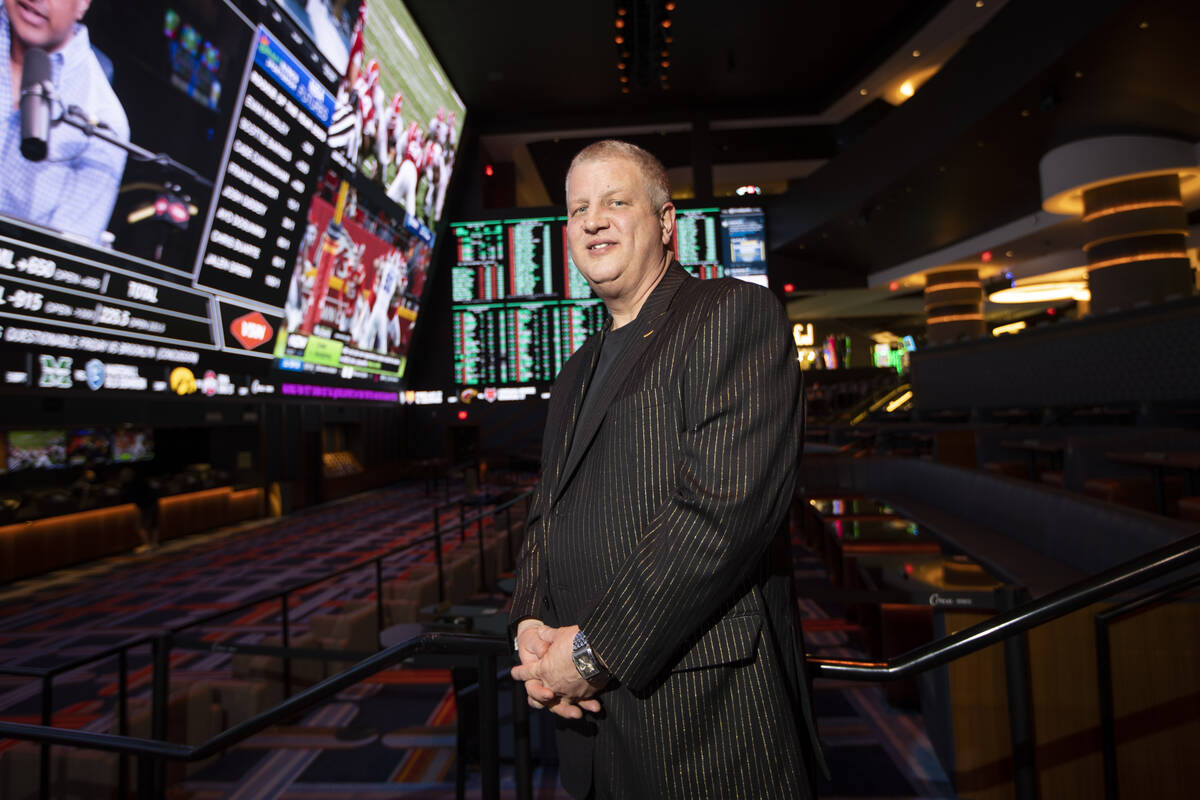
(531, 647)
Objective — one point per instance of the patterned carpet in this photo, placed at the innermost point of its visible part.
(392, 736)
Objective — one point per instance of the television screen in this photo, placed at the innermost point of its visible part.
(88, 446)
(520, 308)
(132, 443)
(41, 449)
(200, 154)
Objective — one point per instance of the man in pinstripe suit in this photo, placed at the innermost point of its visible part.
(654, 607)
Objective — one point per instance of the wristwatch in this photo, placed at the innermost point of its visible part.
(585, 660)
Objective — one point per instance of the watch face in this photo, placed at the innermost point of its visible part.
(586, 665)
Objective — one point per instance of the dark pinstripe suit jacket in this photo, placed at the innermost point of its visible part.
(663, 537)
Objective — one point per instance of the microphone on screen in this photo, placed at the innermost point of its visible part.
(37, 91)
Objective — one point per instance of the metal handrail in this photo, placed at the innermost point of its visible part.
(439, 643)
(1029, 615)
(151, 752)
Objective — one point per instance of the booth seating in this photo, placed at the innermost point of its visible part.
(1189, 508)
(31, 548)
(1027, 534)
(205, 510)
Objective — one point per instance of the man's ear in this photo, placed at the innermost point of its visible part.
(666, 220)
(84, 5)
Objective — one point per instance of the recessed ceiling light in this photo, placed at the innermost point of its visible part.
(906, 89)
(1024, 112)
(1143, 25)
(1078, 73)
(863, 92)
(916, 53)
(979, 3)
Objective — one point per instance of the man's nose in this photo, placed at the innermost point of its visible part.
(594, 220)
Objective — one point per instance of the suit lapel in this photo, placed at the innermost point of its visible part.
(643, 331)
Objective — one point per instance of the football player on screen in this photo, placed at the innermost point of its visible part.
(390, 280)
(411, 154)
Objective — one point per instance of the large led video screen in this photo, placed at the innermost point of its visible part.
(520, 308)
(234, 196)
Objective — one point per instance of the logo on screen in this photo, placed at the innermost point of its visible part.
(56, 372)
(182, 381)
(94, 369)
(251, 330)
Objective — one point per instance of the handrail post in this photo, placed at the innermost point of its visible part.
(1108, 738)
(123, 720)
(489, 728)
(1020, 718)
(483, 587)
(508, 531)
(160, 650)
(378, 596)
(287, 660)
(44, 750)
(522, 755)
(437, 558)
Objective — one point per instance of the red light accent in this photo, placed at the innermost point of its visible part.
(462, 415)
(1052, 311)
(986, 256)
(908, 569)
(788, 288)
(894, 285)
(488, 170)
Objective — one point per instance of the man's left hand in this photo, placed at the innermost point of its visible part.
(556, 668)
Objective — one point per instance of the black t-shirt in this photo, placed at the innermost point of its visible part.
(614, 343)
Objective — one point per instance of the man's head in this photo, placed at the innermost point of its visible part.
(47, 24)
(620, 221)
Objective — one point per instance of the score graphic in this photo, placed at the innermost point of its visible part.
(256, 225)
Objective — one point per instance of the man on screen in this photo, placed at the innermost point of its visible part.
(653, 605)
(75, 187)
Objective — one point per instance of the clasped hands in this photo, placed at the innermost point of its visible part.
(551, 680)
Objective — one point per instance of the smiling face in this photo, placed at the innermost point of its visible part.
(47, 24)
(616, 234)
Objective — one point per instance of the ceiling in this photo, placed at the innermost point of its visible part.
(793, 95)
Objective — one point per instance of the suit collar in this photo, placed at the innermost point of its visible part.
(641, 336)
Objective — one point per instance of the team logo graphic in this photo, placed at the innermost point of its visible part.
(182, 381)
(94, 369)
(209, 384)
(251, 330)
(56, 372)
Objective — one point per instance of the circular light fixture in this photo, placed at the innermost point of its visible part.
(666, 23)
(619, 39)
(916, 53)
(665, 63)
(668, 39)
(1043, 292)
(620, 23)
(670, 6)
(863, 92)
(622, 11)
(624, 90)
(621, 65)
(906, 89)
(624, 79)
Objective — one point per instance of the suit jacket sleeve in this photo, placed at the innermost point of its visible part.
(736, 468)
(527, 585)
